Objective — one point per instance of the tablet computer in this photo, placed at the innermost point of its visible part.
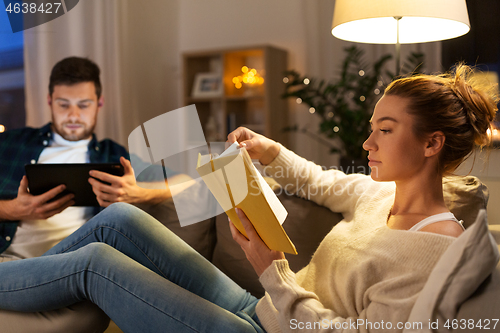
(43, 177)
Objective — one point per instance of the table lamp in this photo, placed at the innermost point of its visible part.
(399, 21)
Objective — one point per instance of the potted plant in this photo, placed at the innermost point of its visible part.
(345, 107)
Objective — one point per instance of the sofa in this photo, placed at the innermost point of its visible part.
(307, 224)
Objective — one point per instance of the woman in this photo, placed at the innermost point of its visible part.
(369, 268)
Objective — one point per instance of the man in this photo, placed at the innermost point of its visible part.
(32, 224)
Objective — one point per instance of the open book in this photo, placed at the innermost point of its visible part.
(235, 182)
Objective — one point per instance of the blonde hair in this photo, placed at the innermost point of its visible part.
(453, 103)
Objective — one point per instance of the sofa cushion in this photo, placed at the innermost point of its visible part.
(464, 197)
(464, 266)
(200, 236)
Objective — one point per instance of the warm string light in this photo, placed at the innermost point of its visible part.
(2, 128)
(250, 76)
(330, 114)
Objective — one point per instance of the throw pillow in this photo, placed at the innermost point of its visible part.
(465, 196)
(468, 261)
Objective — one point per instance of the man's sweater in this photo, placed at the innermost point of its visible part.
(364, 276)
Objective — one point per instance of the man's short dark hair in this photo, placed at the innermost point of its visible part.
(75, 70)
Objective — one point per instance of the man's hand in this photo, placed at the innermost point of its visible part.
(124, 188)
(33, 207)
(256, 251)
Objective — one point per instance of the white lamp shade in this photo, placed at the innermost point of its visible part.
(372, 21)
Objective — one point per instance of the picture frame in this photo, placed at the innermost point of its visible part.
(207, 85)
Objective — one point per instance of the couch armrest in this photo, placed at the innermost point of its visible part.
(485, 301)
(495, 231)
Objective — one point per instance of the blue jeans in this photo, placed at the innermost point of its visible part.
(142, 275)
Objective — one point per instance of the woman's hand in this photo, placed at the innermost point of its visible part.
(258, 146)
(256, 251)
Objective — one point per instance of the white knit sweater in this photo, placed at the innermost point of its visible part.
(363, 275)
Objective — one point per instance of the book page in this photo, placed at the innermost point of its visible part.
(275, 204)
(237, 179)
(203, 159)
(215, 182)
(232, 149)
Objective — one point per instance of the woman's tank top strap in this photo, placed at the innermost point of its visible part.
(436, 218)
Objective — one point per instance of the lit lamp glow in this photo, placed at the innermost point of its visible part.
(399, 21)
(2, 128)
(250, 76)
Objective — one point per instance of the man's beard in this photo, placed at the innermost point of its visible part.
(73, 136)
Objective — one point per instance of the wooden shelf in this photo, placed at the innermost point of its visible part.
(194, 100)
(260, 107)
(240, 98)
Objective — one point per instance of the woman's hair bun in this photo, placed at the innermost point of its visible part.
(479, 99)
